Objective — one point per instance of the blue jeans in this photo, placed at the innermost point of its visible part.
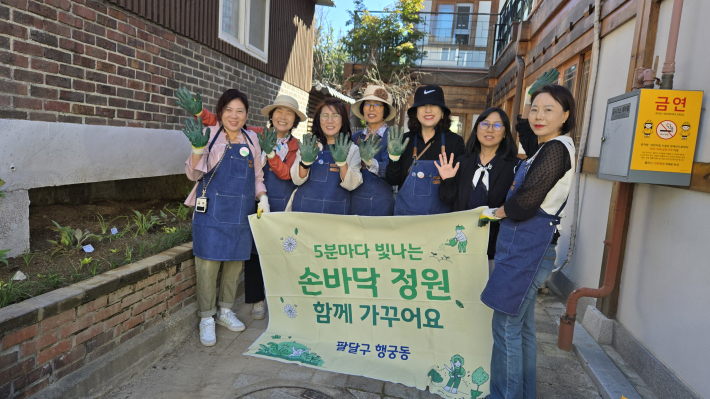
(514, 344)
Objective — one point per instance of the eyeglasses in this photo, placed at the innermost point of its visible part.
(325, 117)
(485, 125)
(376, 106)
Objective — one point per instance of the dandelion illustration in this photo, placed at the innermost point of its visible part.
(290, 311)
(289, 244)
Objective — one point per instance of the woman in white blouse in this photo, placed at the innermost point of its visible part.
(327, 166)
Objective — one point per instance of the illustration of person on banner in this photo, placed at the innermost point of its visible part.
(483, 175)
(327, 165)
(412, 154)
(374, 196)
(525, 251)
(226, 166)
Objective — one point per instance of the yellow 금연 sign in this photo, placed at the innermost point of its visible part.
(666, 130)
(393, 298)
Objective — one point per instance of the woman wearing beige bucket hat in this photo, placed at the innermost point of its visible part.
(284, 116)
(374, 196)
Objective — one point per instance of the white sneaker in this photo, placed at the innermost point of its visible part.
(207, 335)
(229, 320)
(258, 311)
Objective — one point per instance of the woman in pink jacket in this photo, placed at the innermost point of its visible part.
(226, 164)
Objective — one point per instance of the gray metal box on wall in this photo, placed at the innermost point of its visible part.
(649, 137)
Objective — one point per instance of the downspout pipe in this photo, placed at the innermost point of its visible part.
(585, 130)
(669, 65)
(518, 92)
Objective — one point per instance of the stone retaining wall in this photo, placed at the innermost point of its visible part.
(48, 337)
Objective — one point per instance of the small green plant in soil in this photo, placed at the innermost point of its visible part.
(141, 248)
(129, 255)
(27, 257)
(12, 292)
(182, 212)
(52, 280)
(145, 222)
(70, 238)
(3, 257)
(104, 225)
(95, 268)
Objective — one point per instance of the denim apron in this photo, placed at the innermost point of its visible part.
(278, 190)
(519, 252)
(374, 196)
(419, 194)
(322, 192)
(222, 233)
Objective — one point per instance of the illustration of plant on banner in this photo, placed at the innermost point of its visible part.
(392, 298)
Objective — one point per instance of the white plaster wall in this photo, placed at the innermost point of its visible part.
(664, 293)
(692, 59)
(585, 266)
(614, 59)
(54, 154)
(15, 222)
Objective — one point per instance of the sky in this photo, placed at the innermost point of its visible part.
(338, 15)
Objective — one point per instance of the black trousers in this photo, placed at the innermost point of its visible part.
(253, 280)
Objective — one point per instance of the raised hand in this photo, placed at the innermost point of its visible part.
(267, 140)
(193, 131)
(547, 78)
(395, 145)
(370, 148)
(308, 148)
(187, 102)
(340, 149)
(446, 170)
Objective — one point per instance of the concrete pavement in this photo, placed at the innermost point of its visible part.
(222, 371)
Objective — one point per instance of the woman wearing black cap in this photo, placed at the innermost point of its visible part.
(412, 154)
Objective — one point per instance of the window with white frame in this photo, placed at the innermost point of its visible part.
(245, 25)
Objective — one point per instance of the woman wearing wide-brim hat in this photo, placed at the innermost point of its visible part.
(374, 196)
(412, 154)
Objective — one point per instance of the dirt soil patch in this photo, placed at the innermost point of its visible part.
(49, 266)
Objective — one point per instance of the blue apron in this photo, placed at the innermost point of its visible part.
(374, 196)
(222, 233)
(420, 195)
(322, 192)
(519, 252)
(278, 190)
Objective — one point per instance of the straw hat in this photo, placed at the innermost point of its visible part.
(374, 93)
(286, 102)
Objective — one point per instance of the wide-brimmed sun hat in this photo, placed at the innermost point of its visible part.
(374, 93)
(286, 102)
(430, 94)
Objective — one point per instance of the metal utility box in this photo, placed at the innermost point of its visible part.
(649, 137)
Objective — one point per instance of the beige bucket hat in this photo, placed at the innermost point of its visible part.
(286, 102)
(374, 93)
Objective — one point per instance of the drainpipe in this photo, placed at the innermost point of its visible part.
(669, 66)
(518, 93)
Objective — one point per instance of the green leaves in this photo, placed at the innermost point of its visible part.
(459, 304)
(479, 377)
(435, 376)
(295, 231)
(3, 257)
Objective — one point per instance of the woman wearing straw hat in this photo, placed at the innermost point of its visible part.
(374, 196)
(412, 154)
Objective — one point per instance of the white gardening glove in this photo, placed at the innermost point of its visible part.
(263, 206)
(488, 215)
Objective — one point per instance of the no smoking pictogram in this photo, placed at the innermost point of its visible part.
(666, 130)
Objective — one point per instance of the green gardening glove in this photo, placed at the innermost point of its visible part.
(308, 148)
(186, 102)
(547, 78)
(395, 145)
(370, 148)
(193, 131)
(267, 141)
(340, 149)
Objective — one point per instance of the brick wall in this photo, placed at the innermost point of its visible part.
(48, 337)
(90, 62)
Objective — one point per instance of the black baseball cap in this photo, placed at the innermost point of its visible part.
(430, 94)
